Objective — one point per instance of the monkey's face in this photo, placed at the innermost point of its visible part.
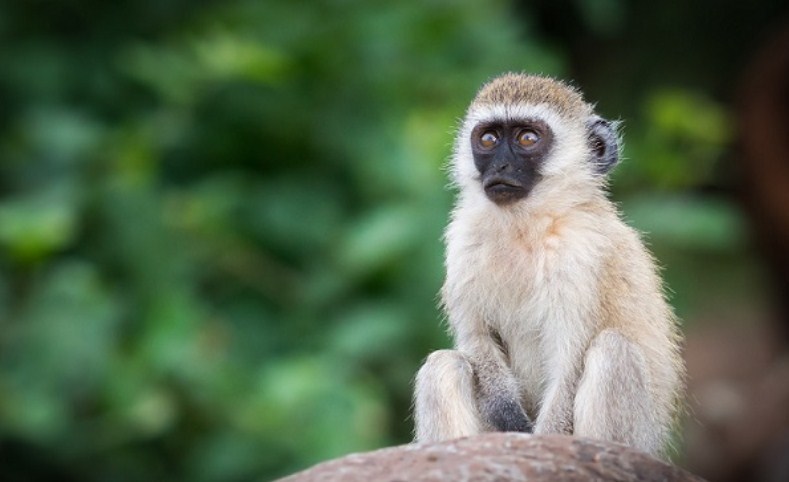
(509, 155)
(531, 138)
(533, 151)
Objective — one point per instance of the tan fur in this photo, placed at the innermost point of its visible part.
(533, 89)
(590, 345)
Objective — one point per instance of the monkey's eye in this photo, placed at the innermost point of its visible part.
(528, 138)
(488, 139)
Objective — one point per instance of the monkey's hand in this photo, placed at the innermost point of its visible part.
(503, 413)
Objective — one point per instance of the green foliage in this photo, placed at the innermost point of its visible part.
(220, 222)
(685, 137)
(221, 226)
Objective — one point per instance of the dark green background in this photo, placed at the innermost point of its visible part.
(220, 221)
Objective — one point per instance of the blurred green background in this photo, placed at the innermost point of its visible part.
(220, 221)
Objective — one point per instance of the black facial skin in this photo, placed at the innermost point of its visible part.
(508, 168)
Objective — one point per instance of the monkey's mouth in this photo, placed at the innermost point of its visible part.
(503, 190)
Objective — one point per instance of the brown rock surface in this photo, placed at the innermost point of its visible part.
(498, 457)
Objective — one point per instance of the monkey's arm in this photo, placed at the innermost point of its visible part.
(497, 391)
(556, 412)
(563, 344)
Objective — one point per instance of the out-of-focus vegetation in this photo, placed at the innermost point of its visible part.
(220, 222)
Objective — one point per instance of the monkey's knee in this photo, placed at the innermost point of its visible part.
(614, 401)
(444, 402)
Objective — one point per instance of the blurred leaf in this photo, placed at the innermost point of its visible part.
(683, 114)
(295, 213)
(152, 413)
(35, 224)
(686, 139)
(703, 224)
(181, 71)
(61, 135)
(314, 409)
(373, 331)
(62, 350)
(228, 56)
(379, 238)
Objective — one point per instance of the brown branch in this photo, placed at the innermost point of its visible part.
(498, 457)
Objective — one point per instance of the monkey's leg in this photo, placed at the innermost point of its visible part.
(444, 400)
(613, 401)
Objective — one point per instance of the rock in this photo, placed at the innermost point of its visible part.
(498, 457)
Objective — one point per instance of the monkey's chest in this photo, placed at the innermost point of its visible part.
(525, 286)
(535, 300)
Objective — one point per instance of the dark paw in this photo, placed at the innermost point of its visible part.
(506, 415)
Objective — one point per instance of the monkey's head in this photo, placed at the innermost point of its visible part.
(524, 134)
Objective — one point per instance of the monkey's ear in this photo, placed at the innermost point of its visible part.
(604, 144)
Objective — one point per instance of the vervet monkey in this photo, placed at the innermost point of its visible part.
(556, 307)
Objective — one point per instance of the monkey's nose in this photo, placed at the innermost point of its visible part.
(504, 167)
